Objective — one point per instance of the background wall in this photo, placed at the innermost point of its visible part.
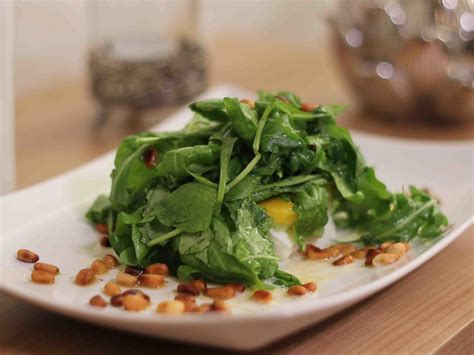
(52, 37)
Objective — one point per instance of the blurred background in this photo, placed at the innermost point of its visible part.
(79, 75)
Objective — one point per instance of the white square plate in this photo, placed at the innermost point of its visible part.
(48, 219)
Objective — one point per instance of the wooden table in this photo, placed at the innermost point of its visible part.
(430, 310)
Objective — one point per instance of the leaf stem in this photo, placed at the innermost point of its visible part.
(245, 172)
(164, 237)
(261, 125)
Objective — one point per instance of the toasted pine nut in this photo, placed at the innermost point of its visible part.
(315, 253)
(237, 287)
(263, 296)
(249, 102)
(151, 280)
(42, 277)
(220, 306)
(188, 289)
(85, 277)
(104, 241)
(384, 259)
(127, 280)
(200, 285)
(27, 256)
(160, 269)
(398, 249)
(346, 249)
(220, 293)
(171, 307)
(407, 246)
(98, 301)
(346, 259)
(135, 302)
(135, 291)
(297, 290)
(46, 267)
(117, 300)
(99, 267)
(308, 107)
(310, 286)
(385, 245)
(359, 254)
(188, 300)
(204, 308)
(112, 289)
(111, 261)
(371, 254)
(101, 228)
(132, 270)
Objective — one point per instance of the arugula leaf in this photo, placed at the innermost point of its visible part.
(99, 210)
(242, 118)
(212, 109)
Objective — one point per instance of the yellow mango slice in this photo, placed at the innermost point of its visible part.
(279, 210)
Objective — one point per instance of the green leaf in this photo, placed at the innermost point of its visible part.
(243, 119)
(99, 210)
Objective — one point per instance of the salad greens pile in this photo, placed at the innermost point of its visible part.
(190, 199)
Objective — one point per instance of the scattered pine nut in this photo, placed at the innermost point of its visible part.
(249, 102)
(308, 107)
(297, 290)
(42, 277)
(117, 300)
(188, 289)
(407, 246)
(220, 293)
(384, 259)
(220, 306)
(104, 241)
(85, 277)
(237, 287)
(127, 280)
(111, 261)
(151, 280)
(204, 308)
(112, 289)
(345, 260)
(188, 300)
(385, 245)
(311, 286)
(98, 301)
(200, 285)
(314, 253)
(101, 228)
(398, 249)
(371, 254)
(46, 267)
(135, 291)
(160, 269)
(171, 307)
(99, 267)
(27, 256)
(346, 249)
(132, 270)
(263, 296)
(359, 254)
(135, 302)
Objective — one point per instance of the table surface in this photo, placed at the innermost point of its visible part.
(430, 310)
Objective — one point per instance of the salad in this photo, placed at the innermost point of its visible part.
(208, 200)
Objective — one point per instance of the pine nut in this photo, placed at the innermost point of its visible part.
(159, 269)
(200, 285)
(311, 286)
(359, 254)
(171, 307)
(346, 259)
(308, 107)
(98, 301)
(27, 256)
(99, 267)
(151, 280)
(117, 301)
(188, 289)
(384, 259)
(239, 288)
(189, 302)
(263, 296)
(385, 245)
(249, 102)
(135, 302)
(398, 249)
(46, 267)
(220, 293)
(204, 308)
(346, 249)
(314, 253)
(133, 270)
(407, 246)
(220, 306)
(126, 280)
(85, 277)
(297, 290)
(371, 254)
(104, 241)
(101, 228)
(42, 277)
(111, 261)
(112, 289)
(135, 291)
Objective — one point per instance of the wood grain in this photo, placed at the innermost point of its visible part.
(429, 310)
